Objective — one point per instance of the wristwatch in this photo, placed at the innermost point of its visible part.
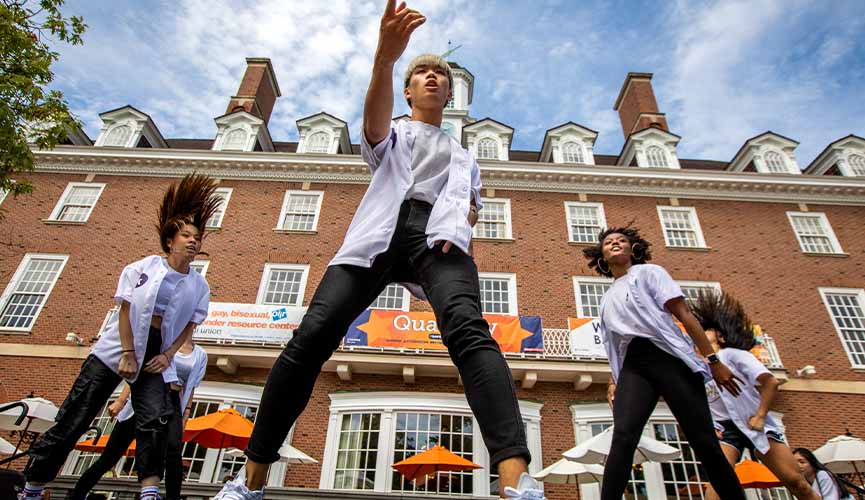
(713, 359)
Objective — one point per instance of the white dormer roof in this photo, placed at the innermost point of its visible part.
(569, 143)
(240, 131)
(488, 139)
(846, 156)
(767, 153)
(126, 127)
(650, 148)
(323, 133)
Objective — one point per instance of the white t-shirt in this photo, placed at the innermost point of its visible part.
(634, 306)
(824, 486)
(430, 162)
(716, 404)
(166, 289)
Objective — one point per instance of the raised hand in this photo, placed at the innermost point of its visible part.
(397, 25)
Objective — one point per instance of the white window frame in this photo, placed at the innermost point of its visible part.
(132, 133)
(268, 267)
(498, 148)
(66, 192)
(824, 221)
(509, 234)
(602, 218)
(712, 285)
(579, 149)
(388, 404)
(3, 193)
(852, 168)
(860, 294)
(665, 156)
(593, 280)
(205, 265)
(284, 210)
(308, 146)
(513, 303)
(692, 212)
(19, 273)
(225, 194)
(406, 300)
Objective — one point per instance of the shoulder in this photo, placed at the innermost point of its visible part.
(149, 261)
(200, 354)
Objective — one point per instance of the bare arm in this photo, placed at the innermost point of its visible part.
(128, 365)
(397, 25)
(159, 363)
(115, 407)
(768, 391)
(187, 412)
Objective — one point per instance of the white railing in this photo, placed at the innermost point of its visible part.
(772, 359)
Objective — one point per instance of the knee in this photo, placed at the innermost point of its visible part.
(624, 436)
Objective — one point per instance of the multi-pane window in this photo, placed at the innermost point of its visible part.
(29, 289)
(282, 285)
(847, 308)
(229, 465)
(193, 453)
(300, 210)
(636, 488)
(488, 149)
(394, 297)
(692, 289)
(357, 451)
(857, 164)
(498, 293)
(85, 459)
(318, 142)
(416, 432)
(223, 194)
(235, 140)
(681, 227)
(589, 292)
(450, 104)
(118, 136)
(814, 233)
(200, 266)
(585, 221)
(656, 157)
(683, 478)
(775, 162)
(572, 153)
(77, 202)
(494, 220)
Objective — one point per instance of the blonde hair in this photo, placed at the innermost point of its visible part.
(428, 60)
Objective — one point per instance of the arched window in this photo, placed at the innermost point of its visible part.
(857, 164)
(656, 157)
(775, 163)
(119, 136)
(488, 149)
(572, 153)
(319, 142)
(235, 140)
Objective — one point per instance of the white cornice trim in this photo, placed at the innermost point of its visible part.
(350, 169)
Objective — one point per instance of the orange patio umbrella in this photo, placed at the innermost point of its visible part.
(99, 446)
(435, 459)
(756, 475)
(222, 429)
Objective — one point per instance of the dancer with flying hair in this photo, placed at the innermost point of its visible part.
(744, 420)
(161, 301)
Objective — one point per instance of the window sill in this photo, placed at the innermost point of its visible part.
(820, 254)
(494, 240)
(292, 231)
(581, 244)
(55, 222)
(213, 229)
(14, 332)
(690, 249)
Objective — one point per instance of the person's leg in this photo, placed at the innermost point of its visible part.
(635, 400)
(685, 393)
(173, 452)
(732, 455)
(779, 459)
(121, 437)
(343, 293)
(89, 393)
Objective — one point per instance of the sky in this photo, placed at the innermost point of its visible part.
(724, 71)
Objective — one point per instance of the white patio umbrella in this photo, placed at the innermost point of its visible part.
(566, 472)
(843, 455)
(595, 450)
(287, 454)
(40, 416)
(6, 447)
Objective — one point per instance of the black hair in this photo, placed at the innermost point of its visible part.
(640, 249)
(190, 201)
(724, 314)
(818, 466)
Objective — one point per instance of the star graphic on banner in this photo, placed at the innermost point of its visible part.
(510, 336)
(379, 328)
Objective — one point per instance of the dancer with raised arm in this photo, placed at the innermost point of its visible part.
(414, 224)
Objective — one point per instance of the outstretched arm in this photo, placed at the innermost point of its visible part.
(397, 25)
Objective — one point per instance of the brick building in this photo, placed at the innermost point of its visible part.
(785, 238)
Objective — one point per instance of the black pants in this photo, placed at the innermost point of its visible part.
(450, 281)
(647, 373)
(88, 396)
(121, 437)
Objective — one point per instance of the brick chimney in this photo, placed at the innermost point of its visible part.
(637, 106)
(258, 89)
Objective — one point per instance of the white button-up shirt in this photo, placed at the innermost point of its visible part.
(138, 285)
(374, 222)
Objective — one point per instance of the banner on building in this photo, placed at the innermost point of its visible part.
(586, 337)
(418, 330)
(249, 322)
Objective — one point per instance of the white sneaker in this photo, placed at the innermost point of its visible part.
(527, 489)
(237, 490)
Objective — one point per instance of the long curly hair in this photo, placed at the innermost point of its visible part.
(640, 248)
(191, 201)
(724, 314)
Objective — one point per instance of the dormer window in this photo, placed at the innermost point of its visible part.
(488, 149)
(767, 153)
(235, 140)
(118, 136)
(319, 142)
(128, 127)
(488, 139)
(241, 131)
(656, 157)
(323, 133)
(572, 153)
(857, 164)
(775, 162)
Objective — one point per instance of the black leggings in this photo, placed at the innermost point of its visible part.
(647, 373)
